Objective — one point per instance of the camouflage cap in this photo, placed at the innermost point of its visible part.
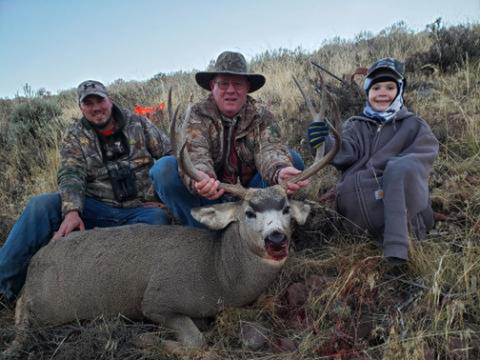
(387, 69)
(91, 87)
(387, 66)
(232, 63)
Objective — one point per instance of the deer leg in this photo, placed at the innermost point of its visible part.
(186, 330)
(187, 333)
(21, 329)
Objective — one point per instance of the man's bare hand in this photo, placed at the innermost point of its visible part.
(72, 221)
(153, 204)
(287, 173)
(208, 187)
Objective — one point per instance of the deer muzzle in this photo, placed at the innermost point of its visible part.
(276, 245)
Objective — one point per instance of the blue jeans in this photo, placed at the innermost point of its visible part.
(170, 188)
(42, 217)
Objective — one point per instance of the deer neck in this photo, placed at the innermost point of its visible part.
(242, 273)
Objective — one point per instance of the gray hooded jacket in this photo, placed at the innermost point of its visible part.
(384, 177)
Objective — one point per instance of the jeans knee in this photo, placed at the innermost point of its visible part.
(45, 203)
(161, 218)
(297, 160)
(152, 217)
(164, 170)
(165, 176)
(163, 167)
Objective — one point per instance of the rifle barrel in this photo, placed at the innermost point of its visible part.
(329, 73)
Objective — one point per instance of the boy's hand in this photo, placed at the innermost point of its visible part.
(317, 132)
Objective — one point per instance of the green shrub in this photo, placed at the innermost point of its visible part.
(33, 127)
(452, 47)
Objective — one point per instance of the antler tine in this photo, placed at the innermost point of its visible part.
(186, 165)
(321, 114)
(173, 132)
(173, 119)
(169, 104)
(306, 98)
(173, 122)
(318, 165)
(323, 103)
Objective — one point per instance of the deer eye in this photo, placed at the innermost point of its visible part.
(250, 214)
(286, 210)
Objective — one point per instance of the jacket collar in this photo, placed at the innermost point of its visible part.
(403, 113)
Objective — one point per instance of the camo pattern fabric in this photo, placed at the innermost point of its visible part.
(82, 171)
(231, 62)
(256, 140)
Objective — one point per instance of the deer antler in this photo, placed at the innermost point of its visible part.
(186, 165)
(173, 122)
(320, 163)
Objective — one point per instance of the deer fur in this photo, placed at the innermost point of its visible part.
(167, 274)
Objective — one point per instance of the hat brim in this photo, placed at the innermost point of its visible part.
(203, 79)
(97, 93)
(384, 72)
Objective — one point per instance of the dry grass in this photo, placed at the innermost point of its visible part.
(336, 298)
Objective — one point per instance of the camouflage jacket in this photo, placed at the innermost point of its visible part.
(82, 170)
(256, 139)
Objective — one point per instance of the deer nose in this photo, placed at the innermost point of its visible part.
(276, 237)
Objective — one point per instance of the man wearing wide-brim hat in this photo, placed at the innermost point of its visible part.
(229, 136)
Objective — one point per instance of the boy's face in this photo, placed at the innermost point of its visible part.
(381, 95)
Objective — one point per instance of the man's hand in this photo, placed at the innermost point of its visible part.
(208, 187)
(154, 204)
(288, 172)
(72, 221)
(317, 132)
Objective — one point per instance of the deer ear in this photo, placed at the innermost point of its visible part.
(216, 217)
(299, 211)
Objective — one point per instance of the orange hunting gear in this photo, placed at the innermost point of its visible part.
(144, 110)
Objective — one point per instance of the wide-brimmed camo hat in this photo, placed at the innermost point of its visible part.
(231, 63)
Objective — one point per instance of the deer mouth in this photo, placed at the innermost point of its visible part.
(277, 252)
(276, 246)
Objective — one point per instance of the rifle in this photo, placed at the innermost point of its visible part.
(358, 71)
(329, 73)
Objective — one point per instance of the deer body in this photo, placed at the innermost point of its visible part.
(168, 274)
(138, 269)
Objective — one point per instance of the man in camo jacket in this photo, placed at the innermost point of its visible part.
(229, 135)
(103, 181)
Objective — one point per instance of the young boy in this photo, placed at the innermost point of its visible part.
(385, 160)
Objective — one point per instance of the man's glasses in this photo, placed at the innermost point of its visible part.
(237, 85)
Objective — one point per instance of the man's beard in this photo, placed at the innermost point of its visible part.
(102, 126)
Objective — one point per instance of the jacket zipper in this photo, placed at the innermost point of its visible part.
(362, 204)
(376, 137)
